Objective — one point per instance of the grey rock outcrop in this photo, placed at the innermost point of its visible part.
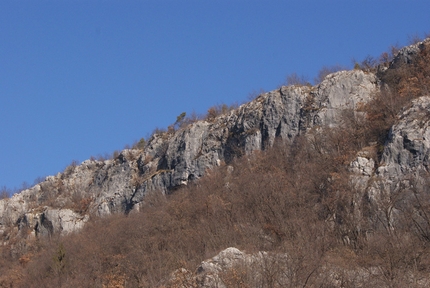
(408, 147)
(213, 272)
(405, 160)
(283, 113)
(345, 90)
(407, 54)
(208, 273)
(388, 187)
(363, 166)
(172, 159)
(46, 222)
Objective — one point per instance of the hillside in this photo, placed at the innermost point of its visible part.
(325, 186)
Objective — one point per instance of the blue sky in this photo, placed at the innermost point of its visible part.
(82, 78)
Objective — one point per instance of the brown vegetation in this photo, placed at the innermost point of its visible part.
(292, 199)
(326, 70)
(217, 110)
(4, 193)
(295, 79)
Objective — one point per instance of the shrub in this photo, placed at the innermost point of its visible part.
(326, 70)
(4, 193)
(217, 110)
(180, 121)
(254, 94)
(140, 145)
(70, 169)
(295, 79)
(357, 66)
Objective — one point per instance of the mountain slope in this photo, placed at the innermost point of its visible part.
(346, 159)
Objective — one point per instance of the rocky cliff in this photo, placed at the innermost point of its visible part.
(63, 203)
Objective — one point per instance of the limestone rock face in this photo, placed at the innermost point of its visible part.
(53, 220)
(363, 166)
(403, 167)
(209, 270)
(407, 54)
(408, 147)
(174, 158)
(341, 91)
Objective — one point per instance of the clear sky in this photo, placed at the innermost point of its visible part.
(82, 78)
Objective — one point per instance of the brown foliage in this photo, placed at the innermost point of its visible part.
(217, 110)
(410, 80)
(291, 200)
(295, 79)
(326, 70)
(264, 202)
(4, 193)
(399, 86)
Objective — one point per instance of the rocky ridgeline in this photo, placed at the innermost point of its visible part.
(63, 203)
